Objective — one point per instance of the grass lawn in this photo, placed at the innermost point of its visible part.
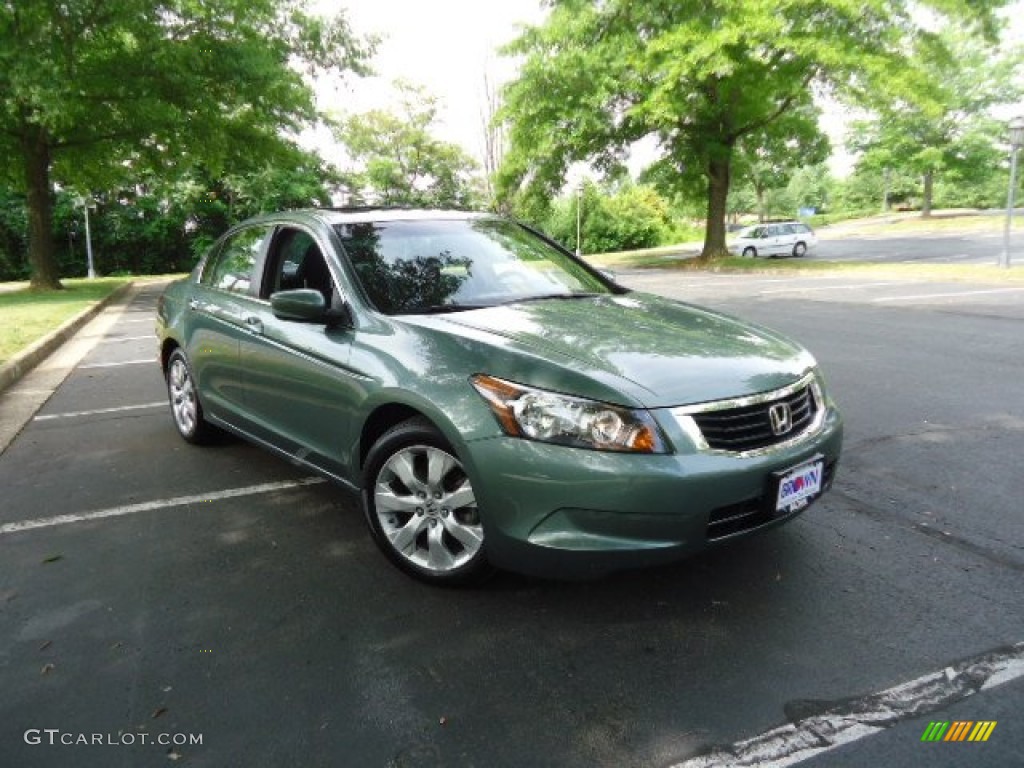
(950, 222)
(738, 265)
(26, 316)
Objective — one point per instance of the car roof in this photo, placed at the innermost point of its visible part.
(771, 224)
(358, 214)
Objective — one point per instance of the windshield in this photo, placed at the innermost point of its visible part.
(410, 267)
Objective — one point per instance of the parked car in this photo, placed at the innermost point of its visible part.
(785, 238)
(493, 400)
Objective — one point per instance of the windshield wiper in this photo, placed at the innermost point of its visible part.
(440, 309)
(546, 296)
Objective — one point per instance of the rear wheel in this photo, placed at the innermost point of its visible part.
(421, 507)
(185, 406)
(749, 252)
(799, 250)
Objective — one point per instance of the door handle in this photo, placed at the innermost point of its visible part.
(254, 324)
(193, 304)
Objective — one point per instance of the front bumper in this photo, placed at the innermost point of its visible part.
(557, 511)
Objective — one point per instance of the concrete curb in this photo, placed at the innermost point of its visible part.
(31, 356)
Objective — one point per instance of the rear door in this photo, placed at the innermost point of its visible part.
(217, 309)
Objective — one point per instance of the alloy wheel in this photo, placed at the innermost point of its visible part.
(183, 396)
(427, 510)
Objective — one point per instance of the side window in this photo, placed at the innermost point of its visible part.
(296, 261)
(233, 267)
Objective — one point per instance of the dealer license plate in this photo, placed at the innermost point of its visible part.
(799, 485)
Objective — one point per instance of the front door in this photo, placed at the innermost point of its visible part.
(299, 393)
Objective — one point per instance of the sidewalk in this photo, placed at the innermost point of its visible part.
(29, 384)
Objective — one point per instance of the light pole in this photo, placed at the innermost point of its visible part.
(85, 203)
(579, 208)
(1016, 140)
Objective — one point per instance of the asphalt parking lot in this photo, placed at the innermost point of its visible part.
(216, 606)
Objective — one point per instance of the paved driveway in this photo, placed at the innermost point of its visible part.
(161, 603)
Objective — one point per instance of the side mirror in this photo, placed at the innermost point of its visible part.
(302, 304)
(608, 274)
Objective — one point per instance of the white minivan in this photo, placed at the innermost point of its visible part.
(784, 238)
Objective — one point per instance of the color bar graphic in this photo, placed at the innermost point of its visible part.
(959, 730)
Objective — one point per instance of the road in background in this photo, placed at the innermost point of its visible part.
(213, 592)
(925, 248)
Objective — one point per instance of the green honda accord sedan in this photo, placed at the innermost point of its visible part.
(494, 401)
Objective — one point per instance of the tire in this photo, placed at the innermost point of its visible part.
(420, 506)
(799, 250)
(750, 252)
(186, 410)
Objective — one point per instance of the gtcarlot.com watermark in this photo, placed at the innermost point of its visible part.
(55, 736)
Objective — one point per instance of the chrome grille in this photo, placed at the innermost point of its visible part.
(744, 425)
(749, 428)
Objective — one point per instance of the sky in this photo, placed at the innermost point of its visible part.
(445, 45)
(448, 46)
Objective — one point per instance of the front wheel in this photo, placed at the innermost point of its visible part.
(184, 399)
(749, 252)
(799, 250)
(421, 508)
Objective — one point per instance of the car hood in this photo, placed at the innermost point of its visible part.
(659, 352)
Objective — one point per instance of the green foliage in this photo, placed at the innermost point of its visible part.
(699, 77)
(400, 162)
(767, 159)
(811, 186)
(13, 236)
(160, 225)
(944, 131)
(95, 93)
(634, 217)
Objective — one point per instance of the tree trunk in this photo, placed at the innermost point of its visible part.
(718, 191)
(759, 191)
(42, 255)
(926, 204)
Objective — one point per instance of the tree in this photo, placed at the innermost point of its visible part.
(400, 162)
(634, 216)
(94, 92)
(811, 186)
(700, 76)
(767, 158)
(938, 129)
(494, 140)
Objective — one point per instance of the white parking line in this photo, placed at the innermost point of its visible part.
(148, 360)
(841, 287)
(852, 720)
(948, 295)
(148, 506)
(98, 411)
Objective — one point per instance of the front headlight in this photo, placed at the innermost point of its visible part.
(537, 414)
